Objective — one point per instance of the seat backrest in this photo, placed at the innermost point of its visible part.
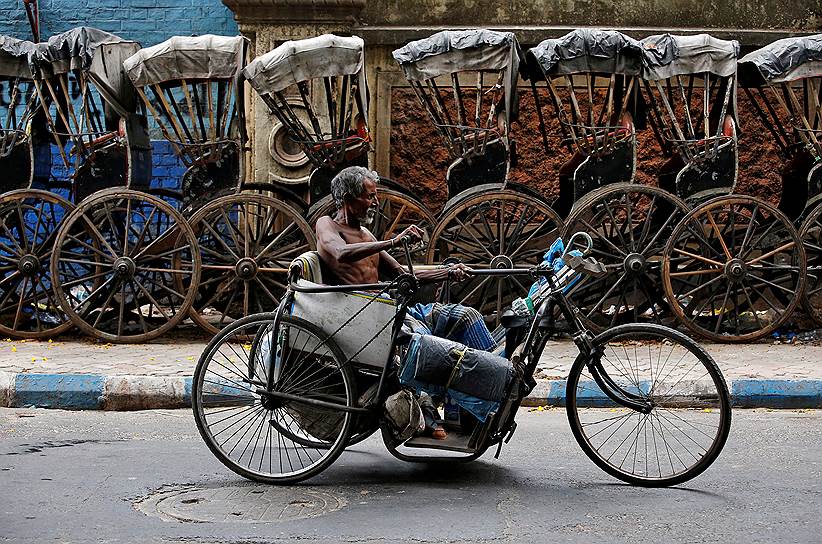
(310, 266)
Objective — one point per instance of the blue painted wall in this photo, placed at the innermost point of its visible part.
(146, 21)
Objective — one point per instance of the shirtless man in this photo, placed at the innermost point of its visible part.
(354, 255)
(348, 248)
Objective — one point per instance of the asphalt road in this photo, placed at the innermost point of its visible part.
(148, 477)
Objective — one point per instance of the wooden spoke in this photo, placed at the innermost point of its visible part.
(755, 290)
(470, 230)
(150, 278)
(30, 220)
(263, 235)
(620, 219)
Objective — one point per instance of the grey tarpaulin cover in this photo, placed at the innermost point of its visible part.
(302, 60)
(666, 55)
(586, 51)
(179, 57)
(452, 51)
(788, 59)
(14, 55)
(94, 51)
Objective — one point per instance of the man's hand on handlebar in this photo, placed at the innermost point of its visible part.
(413, 234)
(459, 271)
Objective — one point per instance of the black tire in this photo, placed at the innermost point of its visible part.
(703, 406)
(221, 383)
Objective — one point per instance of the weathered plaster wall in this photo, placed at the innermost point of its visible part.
(747, 14)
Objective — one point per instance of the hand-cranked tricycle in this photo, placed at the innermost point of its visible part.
(278, 396)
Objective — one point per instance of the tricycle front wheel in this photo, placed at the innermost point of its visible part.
(688, 409)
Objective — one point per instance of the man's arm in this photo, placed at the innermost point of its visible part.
(330, 241)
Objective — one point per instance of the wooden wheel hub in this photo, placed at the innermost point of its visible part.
(246, 268)
(634, 263)
(502, 261)
(124, 267)
(28, 264)
(735, 269)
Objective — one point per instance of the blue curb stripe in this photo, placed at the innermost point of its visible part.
(187, 391)
(67, 391)
(745, 393)
(777, 393)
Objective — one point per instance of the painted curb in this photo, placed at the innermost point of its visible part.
(96, 392)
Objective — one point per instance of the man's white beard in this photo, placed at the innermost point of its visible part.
(370, 215)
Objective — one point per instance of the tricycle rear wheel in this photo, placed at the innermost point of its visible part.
(244, 428)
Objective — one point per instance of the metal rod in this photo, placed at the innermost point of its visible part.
(161, 100)
(212, 126)
(492, 111)
(568, 136)
(543, 130)
(328, 157)
(198, 109)
(159, 120)
(354, 89)
(455, 85)
(687, 106)
(478, 109)
(767, 121)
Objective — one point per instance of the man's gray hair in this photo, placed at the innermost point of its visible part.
(349, 183)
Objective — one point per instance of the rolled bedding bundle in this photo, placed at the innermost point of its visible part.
(477, 380)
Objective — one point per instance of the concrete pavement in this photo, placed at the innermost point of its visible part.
(78, 373)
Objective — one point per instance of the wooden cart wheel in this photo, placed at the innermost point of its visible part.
(29, 220)
(246, 243)
(127, 267)
(811, 234)
(494, 229)
(734, 269)
(398, 210)
(630, 225)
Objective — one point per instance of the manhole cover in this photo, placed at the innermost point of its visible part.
(249, 504)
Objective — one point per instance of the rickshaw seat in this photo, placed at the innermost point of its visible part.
(363, 334)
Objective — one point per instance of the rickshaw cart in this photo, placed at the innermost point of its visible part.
(467, 82)
(317, 91)
(28, 216)
(122, 267)
(277, 398)
(733, 266)
(593, 84)
(245, 239)
(783, 81)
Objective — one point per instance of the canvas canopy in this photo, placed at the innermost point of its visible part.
(586, 51)
(180, 57)
(14, 55)
(96, 52)
(784, 60)
(303, 60)
(666, 55)
(74, 49)
(453, 51)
